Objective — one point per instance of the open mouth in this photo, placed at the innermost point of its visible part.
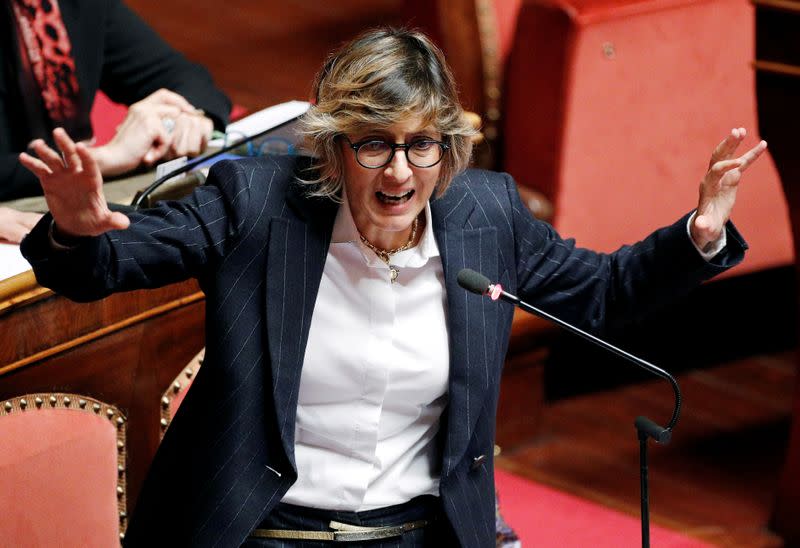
(394, 198)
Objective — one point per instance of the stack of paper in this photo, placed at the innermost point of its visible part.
(262, 120)
(11, 261)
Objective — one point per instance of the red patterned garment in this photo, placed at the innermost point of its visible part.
(47, 49)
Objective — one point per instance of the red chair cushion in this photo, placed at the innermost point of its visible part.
(58, 479)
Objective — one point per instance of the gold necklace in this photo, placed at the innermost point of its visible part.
(386, 254)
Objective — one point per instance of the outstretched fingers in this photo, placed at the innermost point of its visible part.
(751, 155)
(87, 161)
(725, 149)
(50, 157)
(69, 156)
(720, 168)
(35, 165)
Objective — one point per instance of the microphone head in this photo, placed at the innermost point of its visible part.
(473, 281)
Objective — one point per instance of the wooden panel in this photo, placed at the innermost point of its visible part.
(43, 321)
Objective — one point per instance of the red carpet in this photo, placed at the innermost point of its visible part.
(545, 518)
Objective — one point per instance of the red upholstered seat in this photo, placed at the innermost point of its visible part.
(60, 480)
(106, 115)
(613, 106)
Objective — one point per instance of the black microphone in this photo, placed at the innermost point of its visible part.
(476, 282)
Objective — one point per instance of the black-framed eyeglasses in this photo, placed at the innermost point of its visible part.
(376, 153)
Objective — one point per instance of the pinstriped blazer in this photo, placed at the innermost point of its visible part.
(258, 245)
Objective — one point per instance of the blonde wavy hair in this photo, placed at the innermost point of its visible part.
(378, 79)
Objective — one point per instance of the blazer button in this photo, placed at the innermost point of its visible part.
(477, 462)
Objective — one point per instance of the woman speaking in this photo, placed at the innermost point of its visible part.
(349, 387)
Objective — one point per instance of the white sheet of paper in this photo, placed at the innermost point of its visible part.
(11, 261)
(262, 120)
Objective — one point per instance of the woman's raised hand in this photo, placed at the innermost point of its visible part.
(719, 186)
(73, 187)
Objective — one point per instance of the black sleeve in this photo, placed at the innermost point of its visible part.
(598, 291)
(17, 182)
(138, 62)
(171, 242)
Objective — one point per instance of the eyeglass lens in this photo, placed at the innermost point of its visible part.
(419, 153)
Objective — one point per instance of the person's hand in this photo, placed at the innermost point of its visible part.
(719, 186)
(191, 134)
(147, 133)
(14, 225)
(73, 187)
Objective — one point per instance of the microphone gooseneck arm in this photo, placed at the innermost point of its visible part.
(478, 283)
(645, 428)
(655, 431)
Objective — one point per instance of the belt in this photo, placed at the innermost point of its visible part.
(342, 532)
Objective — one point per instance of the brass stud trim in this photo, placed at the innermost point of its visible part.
(64, 401)
(179, 384)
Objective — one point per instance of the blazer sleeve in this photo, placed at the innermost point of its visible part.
(168, 243)
(137, 62)
(597, 291)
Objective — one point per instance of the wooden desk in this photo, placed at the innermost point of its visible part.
(125, 350)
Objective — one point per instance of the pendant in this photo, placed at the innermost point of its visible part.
(393, 272)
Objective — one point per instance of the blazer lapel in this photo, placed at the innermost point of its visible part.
(297, 249)
(471, 319)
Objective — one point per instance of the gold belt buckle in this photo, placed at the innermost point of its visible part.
(344, 532)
